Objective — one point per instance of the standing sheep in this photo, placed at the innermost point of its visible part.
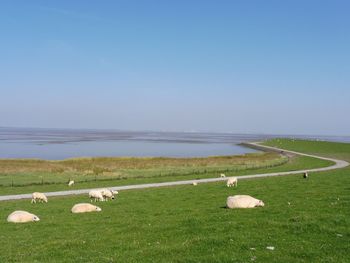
(222, 175)
(107, 194)
(22, 217)
(38, 196)
(305, 175)
(84, 208)
(243, 201)
(71, 183)
(96, 195)
(232, 181)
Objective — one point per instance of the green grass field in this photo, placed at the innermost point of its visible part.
(23, 172)
(190, 224)
(28, 172)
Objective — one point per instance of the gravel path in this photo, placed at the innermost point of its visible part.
(337, 164)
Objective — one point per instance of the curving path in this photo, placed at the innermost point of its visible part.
(337, 164)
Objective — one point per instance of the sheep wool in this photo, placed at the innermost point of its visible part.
(96, 195)
(22, 217)
(243, 201)
(85, 208)
(232, 181)
(36, 196)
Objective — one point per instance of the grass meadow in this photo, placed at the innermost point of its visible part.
(275, 163)
(305, 220)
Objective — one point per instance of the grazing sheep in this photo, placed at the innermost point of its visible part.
(96, 195)
(232, 181)
(39, 196)
(243, 201)
(194, 183)
(70, 183)
(84, 208)
(222, 175)
(22, 217)
(107, 194)
(306, 175)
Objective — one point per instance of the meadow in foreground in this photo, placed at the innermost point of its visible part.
(190, 223)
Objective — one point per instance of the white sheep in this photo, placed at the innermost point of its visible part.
(232, 181)
(22, 217)
(243, 201)
(84, 208)
(71, 183)
(38, 196)
(222, 175)
(194, 183)
(107, 194)
(96, 195)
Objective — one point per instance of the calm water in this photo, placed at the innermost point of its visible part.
(117, 148)
(62, 144)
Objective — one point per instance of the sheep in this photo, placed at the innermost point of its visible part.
(232, 181)
(194, 183)
(305, 175)
(222, 175)
(84, 208)
(107, 194)
(96, 195)
(71, 183)
(22, 217)
(38, 196)
(243, 201)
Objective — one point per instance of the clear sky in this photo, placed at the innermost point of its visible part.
(223, 66)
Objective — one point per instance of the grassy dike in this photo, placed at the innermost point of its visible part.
(23, 172)
(146, 170)
(190, 224)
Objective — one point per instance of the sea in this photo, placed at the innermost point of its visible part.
(59, 144)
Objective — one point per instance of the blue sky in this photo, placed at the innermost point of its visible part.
(223, 66)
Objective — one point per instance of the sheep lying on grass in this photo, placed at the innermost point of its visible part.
(243, 201)
(232, 181)
(22, 217)
(36, 196)
(84, 208)
(222, 175)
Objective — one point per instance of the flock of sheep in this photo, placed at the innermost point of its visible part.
(236, 201)
(94, 195)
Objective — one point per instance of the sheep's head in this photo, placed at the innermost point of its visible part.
(115, 192)
(36, 219)
(98, 209)
(260, 203)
